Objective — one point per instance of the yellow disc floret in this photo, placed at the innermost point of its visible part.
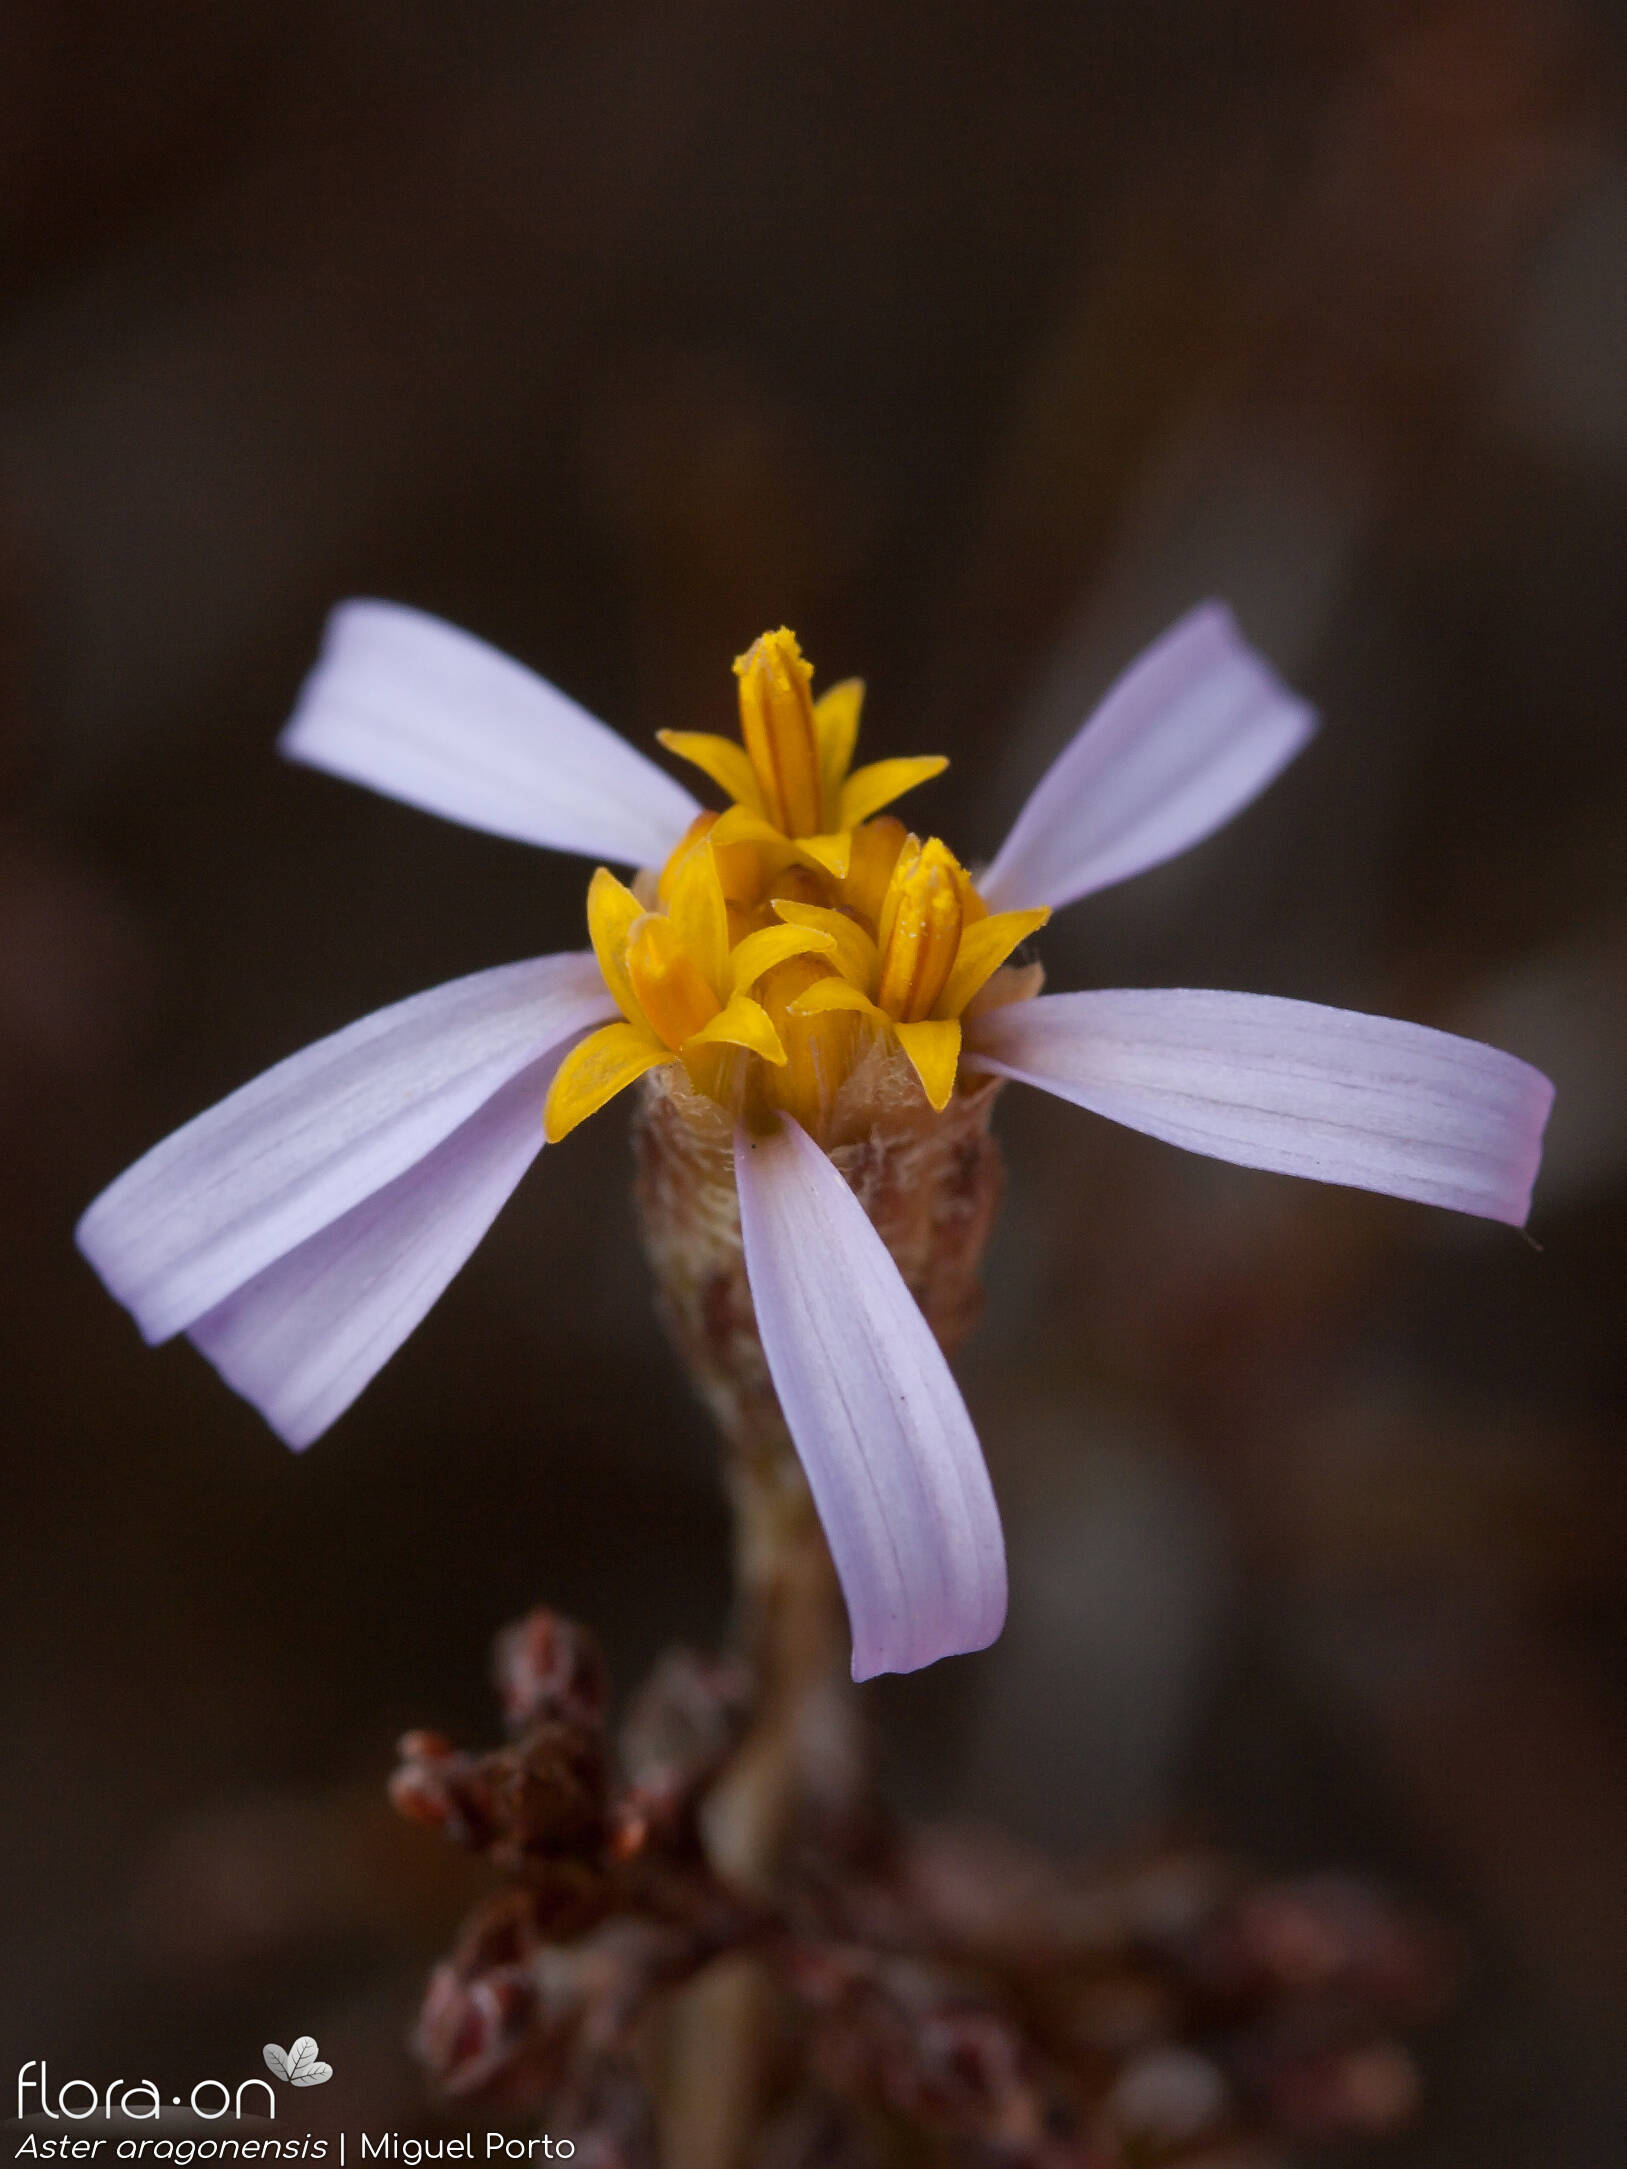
(780, 734)
(934, 947)
(919, 930)
(794, 933)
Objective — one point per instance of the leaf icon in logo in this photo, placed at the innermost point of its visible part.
(299, 2065)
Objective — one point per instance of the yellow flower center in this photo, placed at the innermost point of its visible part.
(795, 936)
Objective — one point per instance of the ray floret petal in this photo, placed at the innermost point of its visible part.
(1191, 733)
(415, 709)
(1288, 1086)
(890, 1454)
(302, 1338)
(250, 1180)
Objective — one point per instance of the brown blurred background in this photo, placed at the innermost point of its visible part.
(975, 343)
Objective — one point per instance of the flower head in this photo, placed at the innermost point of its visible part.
(777, 925)
(819, 978)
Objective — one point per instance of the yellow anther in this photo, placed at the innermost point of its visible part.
(782, 739)
(920, 930)
(671, 990)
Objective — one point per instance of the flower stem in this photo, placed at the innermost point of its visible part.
(804, 1748)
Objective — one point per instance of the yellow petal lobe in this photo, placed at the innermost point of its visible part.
(698, 830)
(671, 992)
(983, 949)
(867, 790)
(740, 825)
(876, 846)
(854, 954)
(933, 1047)
(771, 945)
(742, 1023)
(594, 1071)
(728, 764)
(699, 915)
(829, 994)
(828, 854)
(836, 724)
(613, 910)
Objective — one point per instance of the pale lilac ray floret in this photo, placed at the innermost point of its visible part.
(298, 1231)
(890, 1454)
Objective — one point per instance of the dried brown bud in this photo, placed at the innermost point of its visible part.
(545, 1797)
(444, 1789)
(547, 1666)
(550, 1791)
